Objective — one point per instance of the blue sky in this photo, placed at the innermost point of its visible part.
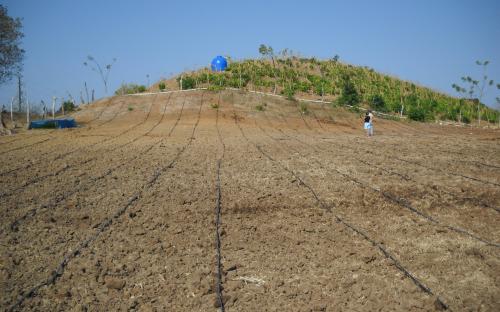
(432, 43)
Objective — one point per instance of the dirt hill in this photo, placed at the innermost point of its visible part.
(183, 201)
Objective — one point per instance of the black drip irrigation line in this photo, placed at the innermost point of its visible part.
(91, 181)
(218, 217)
(478, 163)
(446, 172)
(402, 176)
(384, 251)
(60, 156)
(65, 168)
(407, 178)
(400, 201)
(110, 119)
(30, 145)
(218, 239)
(442, 305)
(449, 173)
(16, 139)
(25, 146)
(56, 274)
(317, 120)
(99, 114)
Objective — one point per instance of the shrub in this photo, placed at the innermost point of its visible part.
(188, 82)
(377, 103)
(260, 107)
(214, 105)
(349, 94)
(161, 86)
(130, 88)
(214, 88)
(69, 106)
(289, 92)
(416, 113)
(130, 108)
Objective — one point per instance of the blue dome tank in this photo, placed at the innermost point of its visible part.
(219, 63)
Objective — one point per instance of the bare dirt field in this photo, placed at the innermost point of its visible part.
(185, 201)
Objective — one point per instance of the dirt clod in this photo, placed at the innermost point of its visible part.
(114, 283)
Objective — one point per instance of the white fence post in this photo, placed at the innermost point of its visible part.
(11, 112)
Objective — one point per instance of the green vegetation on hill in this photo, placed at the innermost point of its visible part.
(130, 88)
(342, 84)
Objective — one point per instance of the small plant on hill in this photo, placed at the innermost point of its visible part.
(215, 88)
(349, 94)
(214, 105)
(130, 108)
(69, 106)
(289, 92)
(130, 88)
(377, 103)
(261, 107)
(417, 114)
(188, 82)
(161, 86)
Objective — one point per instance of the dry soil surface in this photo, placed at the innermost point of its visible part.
(134, 210)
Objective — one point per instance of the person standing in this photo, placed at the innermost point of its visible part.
(368, 124)
(371, 123)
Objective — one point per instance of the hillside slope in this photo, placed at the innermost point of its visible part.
(136, 209)
(342, 84)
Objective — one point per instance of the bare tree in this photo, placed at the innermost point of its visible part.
(87, 92)
(103, 72)
(269, 52)
(476, 89)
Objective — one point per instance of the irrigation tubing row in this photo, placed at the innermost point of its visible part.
(402, 176)
(382, 249)
(218, 216)
(430, 168)
(60, 156)
(91, 181)
(65, 168)
(405, 177)
(391, 197)
(98, 116)
(36, 143)
(218, 239)
(474, 200)
(105, 224)
(25, 146)
(446, 172)
(23, 137)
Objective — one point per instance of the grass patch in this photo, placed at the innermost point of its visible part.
(261, 107)
(130, 108)
(214, 106)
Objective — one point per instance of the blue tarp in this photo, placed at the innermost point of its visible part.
(53, 123)
(219, 63)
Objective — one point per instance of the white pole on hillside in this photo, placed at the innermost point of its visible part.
(54, 107)
(27, 112)
(11, 112)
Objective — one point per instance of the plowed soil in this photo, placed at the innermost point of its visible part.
(120, 214)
